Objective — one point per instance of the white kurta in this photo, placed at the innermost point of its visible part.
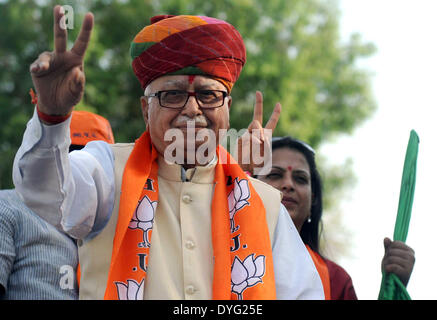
(75, 193)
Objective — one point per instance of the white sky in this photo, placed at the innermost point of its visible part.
(405, 87)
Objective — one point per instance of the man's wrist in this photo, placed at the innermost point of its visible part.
(46, 118)
(50, 120)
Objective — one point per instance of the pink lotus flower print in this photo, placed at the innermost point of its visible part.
(237, 199)
(247, 273)
(131, 290)
(143, 219)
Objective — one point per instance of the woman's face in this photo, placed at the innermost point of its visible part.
(291, 175)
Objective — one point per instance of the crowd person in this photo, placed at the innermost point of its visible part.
(38, 262)
(149, 228)
(294, 173)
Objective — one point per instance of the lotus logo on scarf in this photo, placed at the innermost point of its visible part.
(237, 199)
(143, 219)
(130, 291)
(247, 273)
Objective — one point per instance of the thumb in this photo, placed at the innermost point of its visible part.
(387, 243)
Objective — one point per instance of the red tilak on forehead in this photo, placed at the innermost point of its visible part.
(290, 168)
(191, 78)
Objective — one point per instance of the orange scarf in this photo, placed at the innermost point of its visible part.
(323, 271)
(243, 262)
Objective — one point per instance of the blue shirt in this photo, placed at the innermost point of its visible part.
(37, 262)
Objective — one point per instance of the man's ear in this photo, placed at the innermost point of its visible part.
(145, 108)
(229, 111)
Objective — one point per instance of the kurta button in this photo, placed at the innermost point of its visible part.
(189, 244)
(190, 290)
(186, 198)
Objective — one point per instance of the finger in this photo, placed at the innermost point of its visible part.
(394, 268)
(401, 245)
(42, 64)
(246, 143)
(256, 125)
(256, 140)
(258, 109)
(81, 43)
(404, 254)
(75, 80)
(399, 260)
(402, 273)
(78, 82)
(400, 249)
(387, 242)
(256, 150)
(274, 118)
(60, 33)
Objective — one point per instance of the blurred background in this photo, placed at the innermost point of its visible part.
(353, 76)
(403, 77)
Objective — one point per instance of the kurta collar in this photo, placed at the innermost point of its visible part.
(175, 172)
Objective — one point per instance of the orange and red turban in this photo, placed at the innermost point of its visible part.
(188, 45)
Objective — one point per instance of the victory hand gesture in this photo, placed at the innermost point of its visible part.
(58, 76)
(256, 138)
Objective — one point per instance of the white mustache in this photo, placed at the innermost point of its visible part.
(184, 121)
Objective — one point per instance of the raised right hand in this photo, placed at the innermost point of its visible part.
(59, 76)
(398, 259)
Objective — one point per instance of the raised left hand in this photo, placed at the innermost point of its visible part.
(255, 137)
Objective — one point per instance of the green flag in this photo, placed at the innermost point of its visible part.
(391, 286)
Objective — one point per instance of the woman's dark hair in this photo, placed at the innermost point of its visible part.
(310, 230)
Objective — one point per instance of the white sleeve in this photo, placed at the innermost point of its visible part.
(296, 276)
(74, 192)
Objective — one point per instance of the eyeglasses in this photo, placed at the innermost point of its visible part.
(177, 99)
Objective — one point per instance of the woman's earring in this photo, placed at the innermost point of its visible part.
(309, 219)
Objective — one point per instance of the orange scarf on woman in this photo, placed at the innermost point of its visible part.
(323, 271)
(243, 262)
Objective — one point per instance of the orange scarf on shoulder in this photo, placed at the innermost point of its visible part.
(243, 262)
(323, 271)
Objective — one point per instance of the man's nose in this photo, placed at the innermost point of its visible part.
(192, 108)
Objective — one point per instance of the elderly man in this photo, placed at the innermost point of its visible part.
(149, 228)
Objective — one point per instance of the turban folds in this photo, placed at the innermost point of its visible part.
(188, 45)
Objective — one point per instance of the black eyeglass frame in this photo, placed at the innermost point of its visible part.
(190, 94)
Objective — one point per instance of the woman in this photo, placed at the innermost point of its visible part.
(295, 174)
